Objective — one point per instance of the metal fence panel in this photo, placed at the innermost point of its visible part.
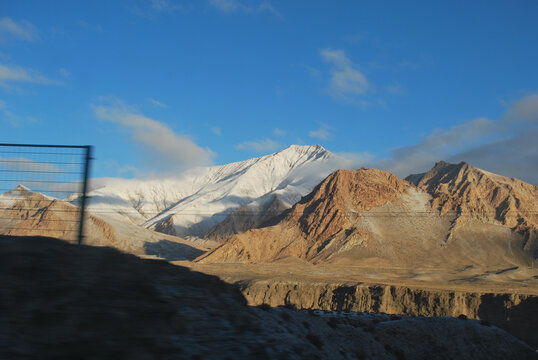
(33, 181)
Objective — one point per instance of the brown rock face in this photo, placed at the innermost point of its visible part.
(469, 192)
(330, 209)
(321, 223)
(455, 216)
(515, 313)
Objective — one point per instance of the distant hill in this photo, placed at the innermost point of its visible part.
(27, 213)
(451, 216)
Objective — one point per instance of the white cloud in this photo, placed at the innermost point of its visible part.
(259, 145)
(506, 146)
(64, 73)
(24, 164)
(12, 118)
(355, 160)
(323, 133)
(512, 157)
(164, 149)
(22, 30)
(165, 5)
(437, 145)
(225, 5)
(346, 82)
(216, 130)
(279, 132)
(157, 103)
(523, 111)
(10, 74)
(395, 89)
(230, 6)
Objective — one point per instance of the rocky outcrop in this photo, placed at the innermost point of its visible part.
(472, 193)
(515, 313)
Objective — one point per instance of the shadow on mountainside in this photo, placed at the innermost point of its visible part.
(520, 320)
(62, 301)
(172, 251)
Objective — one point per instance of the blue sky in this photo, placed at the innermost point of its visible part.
(159, 86)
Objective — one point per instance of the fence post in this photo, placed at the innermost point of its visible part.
(84, 193)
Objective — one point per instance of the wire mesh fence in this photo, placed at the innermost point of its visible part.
(32, 180)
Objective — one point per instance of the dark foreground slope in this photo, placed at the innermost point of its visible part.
(60, 301)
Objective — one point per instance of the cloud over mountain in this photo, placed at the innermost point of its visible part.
(163, 147)
(487, 143)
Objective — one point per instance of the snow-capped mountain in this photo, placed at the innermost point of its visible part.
(196, 200)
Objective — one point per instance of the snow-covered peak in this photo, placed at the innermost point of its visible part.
(200, 198)
(304, 150)
(21, 187)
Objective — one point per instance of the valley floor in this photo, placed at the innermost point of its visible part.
(515, 280)
(505, 297)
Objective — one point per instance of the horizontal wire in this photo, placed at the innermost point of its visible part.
(31, 200)
(47, 146)
(236, 209)
(42, 153)
(38, 190)
(42, 172)
(387, 213)
(43, 220)
(38, 181)
(41, 230)
(41, 162)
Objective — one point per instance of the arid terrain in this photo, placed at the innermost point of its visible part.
(65, 301)
(454, 241)
(507, 298)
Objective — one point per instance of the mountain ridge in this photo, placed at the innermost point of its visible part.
(453, 208)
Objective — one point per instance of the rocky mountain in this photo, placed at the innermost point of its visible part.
(27, 213)
(455, 216)
(79, 302)
(471, 192)
(197, 200)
